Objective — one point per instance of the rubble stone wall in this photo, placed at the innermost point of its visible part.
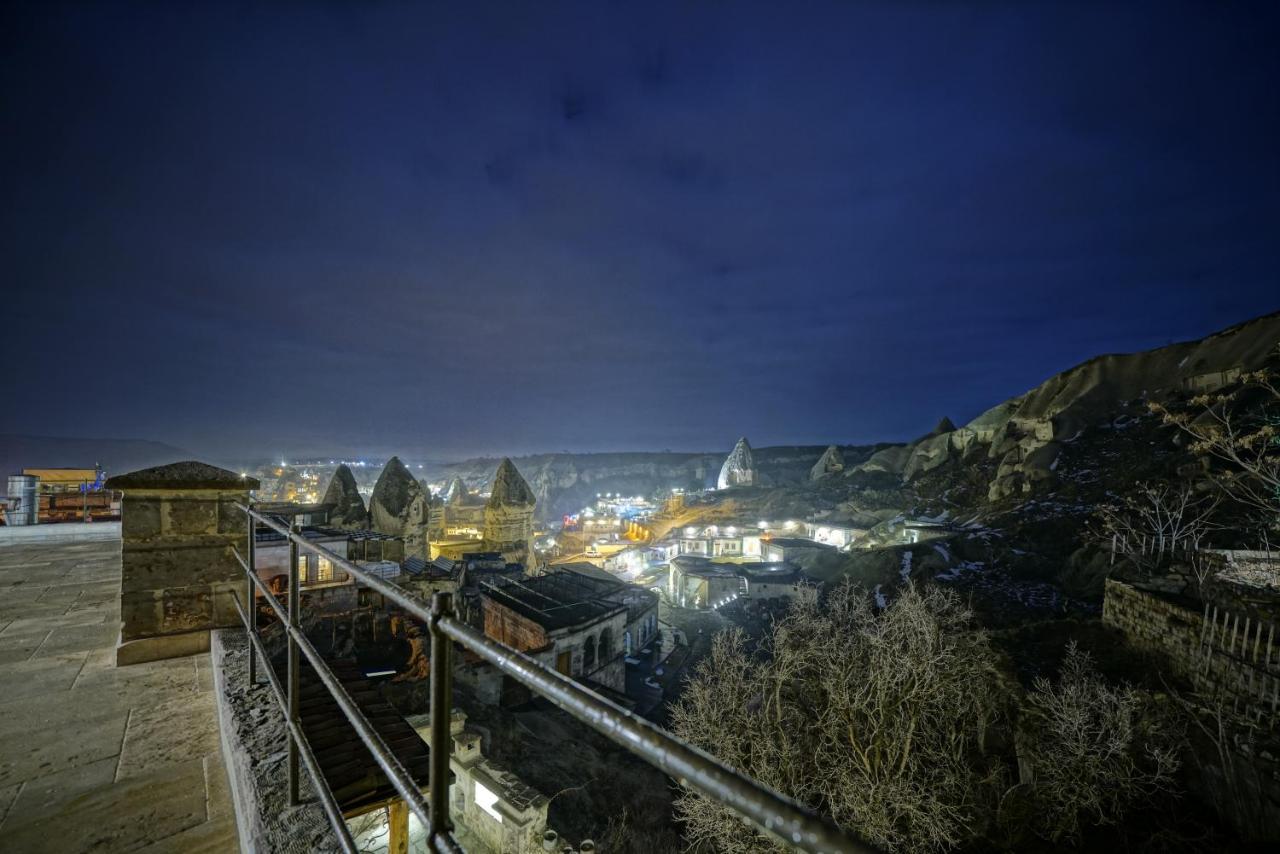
(1227, 654)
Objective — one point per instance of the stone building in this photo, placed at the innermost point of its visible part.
(739, 467)
(698, 582)
(582, 626)
(489, 801)
(508, 516)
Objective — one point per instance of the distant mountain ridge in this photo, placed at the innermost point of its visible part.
(117, 456)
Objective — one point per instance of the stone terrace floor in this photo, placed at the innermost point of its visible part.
(95, 757)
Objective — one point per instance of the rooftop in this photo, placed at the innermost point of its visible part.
(556, 600)
(98, 757)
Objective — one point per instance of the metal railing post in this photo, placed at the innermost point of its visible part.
(441, 715)
(294, 692)
(251, 595)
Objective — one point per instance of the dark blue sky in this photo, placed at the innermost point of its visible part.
(515, 227)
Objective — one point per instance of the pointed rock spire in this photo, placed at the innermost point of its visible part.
(348, 506)
(944, 426)
(509, 487)
(739, 467)
(392, 497)
(831, 462)
(456, 493)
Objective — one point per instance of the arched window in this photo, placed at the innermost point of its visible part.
(589, 654)
(626, 643)
(606, 644)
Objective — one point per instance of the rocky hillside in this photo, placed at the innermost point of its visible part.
(1025, 436)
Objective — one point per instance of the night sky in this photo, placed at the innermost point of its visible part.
(525, 227)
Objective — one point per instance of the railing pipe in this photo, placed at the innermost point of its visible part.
(777, 815)
(251, 598)
(441, 713)
(294, 665)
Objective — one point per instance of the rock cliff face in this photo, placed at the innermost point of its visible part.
(739, 467)
(348, 507)
(399, 507)
(1025, 434)
(831, 462)
(508, 515)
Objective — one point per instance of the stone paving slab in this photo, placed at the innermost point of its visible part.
(94, 757)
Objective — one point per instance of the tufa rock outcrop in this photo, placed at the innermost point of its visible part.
(508, 515)
(831, 462)
(348, 510)
(1025, 434)
(739, 467)
(456, 493)
(399, 507)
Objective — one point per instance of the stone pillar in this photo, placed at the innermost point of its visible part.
(179, 523)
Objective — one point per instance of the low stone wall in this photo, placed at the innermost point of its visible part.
(1226, 655)
(59, 532)
(254, 749)
(1153, 623)
(1231, 658)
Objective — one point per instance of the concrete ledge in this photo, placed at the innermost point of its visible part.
(160, 647)
(254, 749)
(59, 532)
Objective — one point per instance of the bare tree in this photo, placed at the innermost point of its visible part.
(875, 719)
(1157, 522)
(1097, 752)
(1242, 434)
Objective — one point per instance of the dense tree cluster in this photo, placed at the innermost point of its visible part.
(898, 724)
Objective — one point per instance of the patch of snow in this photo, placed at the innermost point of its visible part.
(905, 572)
(881, 601)
(942, 550)
(1053, 466)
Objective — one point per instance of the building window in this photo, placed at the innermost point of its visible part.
(324, 570)
(589, 654)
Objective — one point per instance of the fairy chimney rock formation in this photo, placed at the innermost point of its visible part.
(739, 467)
(508, 515)
(348, 510)
(401, 508)
(456, 493)
(831, 462)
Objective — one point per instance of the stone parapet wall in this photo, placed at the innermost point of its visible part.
(180, 527)
(1222, 653)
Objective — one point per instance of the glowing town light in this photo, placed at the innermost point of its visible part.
(486, 799)
(689, 532)
(791, 524)
(762, 525)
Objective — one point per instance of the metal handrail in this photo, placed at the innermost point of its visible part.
(780, 817)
